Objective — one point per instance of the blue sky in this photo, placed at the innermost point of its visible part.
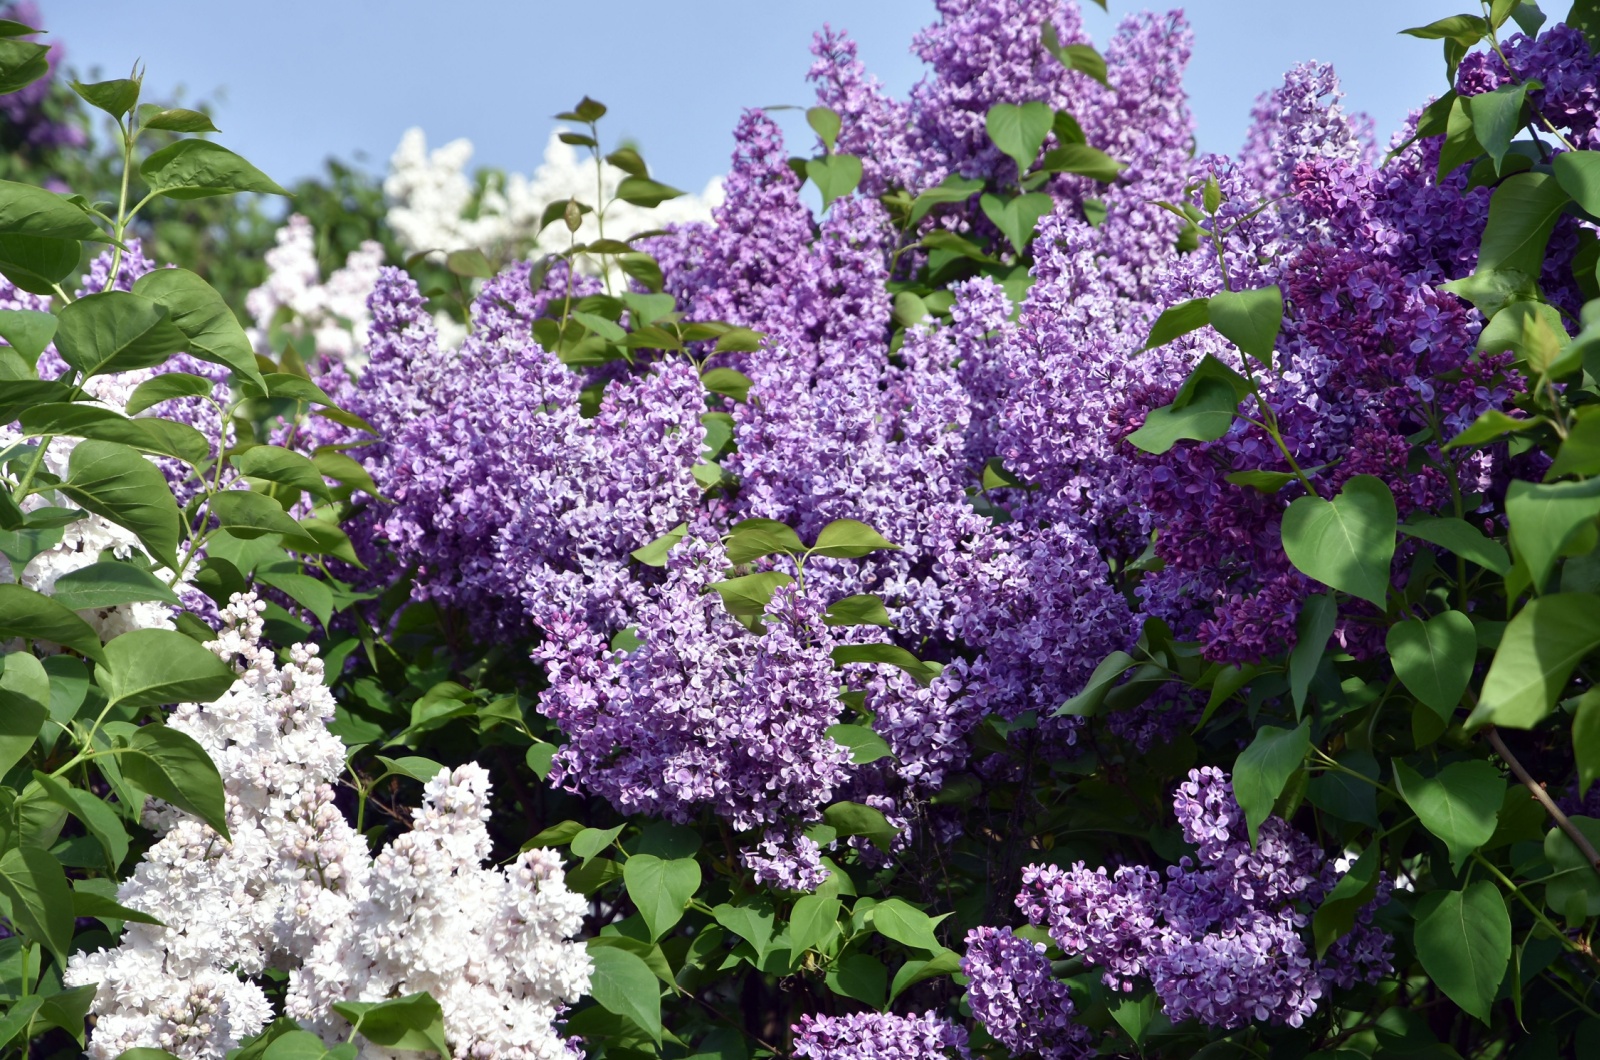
(295, 81)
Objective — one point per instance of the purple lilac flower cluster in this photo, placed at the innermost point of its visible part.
(1221, 939)
(700, 715)
(521, 506)
(878, 1036)
(1014, 996)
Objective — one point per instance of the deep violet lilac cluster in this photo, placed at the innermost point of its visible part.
(1221, 939)
(1014, 996)
(878, 1036)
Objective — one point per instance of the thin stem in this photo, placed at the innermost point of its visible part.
(1538, 914)
(122, 203)
(33, 469)
(1564, 823)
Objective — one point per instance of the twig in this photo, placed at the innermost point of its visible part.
(1564, 823)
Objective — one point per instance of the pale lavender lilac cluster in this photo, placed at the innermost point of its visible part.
(1222, 938)
(1013, 994)
(878, 1036)
(26, 114)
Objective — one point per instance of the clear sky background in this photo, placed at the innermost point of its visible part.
(295, 81)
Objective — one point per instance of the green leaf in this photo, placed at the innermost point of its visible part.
(835, 176)
(27, 331)
(660, 889)
(41, 901)
(180, 119)
(37, 263)
(290, 1044)
(166, 387)
(1336, 916)
(752, 920)
(24, 706)
(115, 331)
(1202, 410)
(29, 211)
(1105, 676)
(865, 745)
(156, 667)
(68, 1010)
(1179, 320)
(1433, 659)
(21, 63)
(25, 613)
(849, 539)
(729, 382)
(1465, 30)
(1537, 653)
(592, 841)
(892, 654)
(1016, 218)
(825, 120)
(87, 903)
(147, 434)
(751, 539)
(109, 583)
(1346, 543)
(211, 331)
(1462, 538)
(1135, 1016)
(414, 1023)
(1263, 768)
(246, 514)
(1019, 131)
(854, 818)
(943, 962)
(1534, 332)
(1544, 517)
(1586, 739)
(170, 765)
(655, 553)
(736, 340)
(116, 98)
(284, 467)
(954, 188)
(1249, 319)
(859, 976)
(899, 920)
(313, 594)
(751, 594)
(641, 191)
(194, 169)
(1497, 117)
(100, 819)
(1522, 215)
(470, 263)
(1574, 884)
(1083, 160)
(1460, 805)
(1084, 58)
(621, 982)
(863, 609)
(811, 923)
(1463, 939)
(557, 835)
(1578, 173)
(1318, 616)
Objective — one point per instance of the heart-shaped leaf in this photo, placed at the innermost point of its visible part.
(1433, 659)
(1346, 543)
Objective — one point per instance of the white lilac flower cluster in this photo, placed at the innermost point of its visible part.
(332, 313)
(295, 888)
(431, 196)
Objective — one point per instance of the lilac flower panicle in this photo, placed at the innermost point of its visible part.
(878, 1036)
(1014, 996)
(1221, 940)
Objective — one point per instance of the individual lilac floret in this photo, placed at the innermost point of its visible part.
(1014, 996)
(1222, 940)
(878, 1036)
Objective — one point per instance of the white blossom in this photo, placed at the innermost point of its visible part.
(297, 889)
(431, 196)
(332, 312)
